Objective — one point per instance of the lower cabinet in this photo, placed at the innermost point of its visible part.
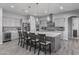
(10, 35)
(14, 35)
(6, 36)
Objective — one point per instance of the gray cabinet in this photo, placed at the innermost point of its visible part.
(55, 43)
(6, 36)
(59, 22)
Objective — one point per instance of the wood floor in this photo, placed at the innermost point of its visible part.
(68, 47)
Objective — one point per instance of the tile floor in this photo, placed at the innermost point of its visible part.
(68, 47)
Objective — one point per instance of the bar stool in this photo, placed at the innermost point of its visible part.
(43, 42)
(34, 41)
(26, 39)
(21, 38)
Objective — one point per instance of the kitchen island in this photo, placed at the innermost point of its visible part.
(54, 37)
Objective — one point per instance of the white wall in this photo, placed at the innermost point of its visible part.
(1, 13)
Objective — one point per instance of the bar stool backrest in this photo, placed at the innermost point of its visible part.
(20, 34)
(42, 38)
(32, 36)
(25, 34)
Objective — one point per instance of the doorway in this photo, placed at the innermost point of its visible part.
(73, 27)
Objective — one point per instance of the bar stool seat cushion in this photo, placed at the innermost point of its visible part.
(47, 42)
(28, 37)
(36, 40)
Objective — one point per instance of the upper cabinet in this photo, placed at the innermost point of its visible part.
(75, 23)
(59, 22)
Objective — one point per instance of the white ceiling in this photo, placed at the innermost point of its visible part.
(38, 9)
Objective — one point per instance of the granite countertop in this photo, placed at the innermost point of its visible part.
(49, 33)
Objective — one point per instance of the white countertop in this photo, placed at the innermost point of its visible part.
(49, 33)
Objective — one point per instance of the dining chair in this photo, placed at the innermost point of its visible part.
(21, 38)
(34, 42)
(44, 43)
(26, 39)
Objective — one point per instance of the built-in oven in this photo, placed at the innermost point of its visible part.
(74, 33)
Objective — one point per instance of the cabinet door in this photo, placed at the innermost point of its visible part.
(75, 27)
(14, 35)
(75, 23)
(59, 22)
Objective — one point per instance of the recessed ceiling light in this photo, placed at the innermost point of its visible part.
(61, 7)
(26, 11)
(45, 11)
(12, 6)
(48, 19)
